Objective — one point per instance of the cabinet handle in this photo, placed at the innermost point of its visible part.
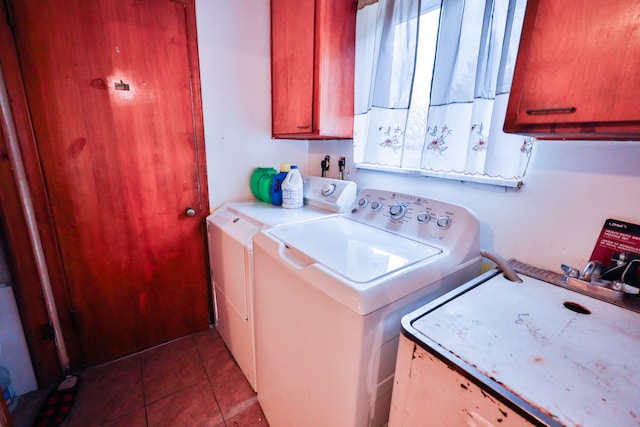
(565, 110)
(303, 127)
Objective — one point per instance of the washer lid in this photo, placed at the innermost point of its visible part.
(359, 252)
(265, 215)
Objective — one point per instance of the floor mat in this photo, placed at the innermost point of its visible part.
(57, 405)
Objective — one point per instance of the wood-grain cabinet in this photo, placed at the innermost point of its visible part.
(577, 74)
(312, 66)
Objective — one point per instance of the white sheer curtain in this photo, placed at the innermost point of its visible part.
(386, 34)
(462, 135)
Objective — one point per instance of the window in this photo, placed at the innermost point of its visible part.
(432, 83)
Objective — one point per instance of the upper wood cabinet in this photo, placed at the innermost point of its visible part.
(577, 73)
(312, 65)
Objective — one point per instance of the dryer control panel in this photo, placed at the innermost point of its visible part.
(332, 195)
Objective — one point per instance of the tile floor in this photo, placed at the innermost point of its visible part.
(189, 382)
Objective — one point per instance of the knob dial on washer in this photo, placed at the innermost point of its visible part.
(397, 211)
(363, 202)
(328, 189)
(443, 222)
(376, 205)
(423, 217)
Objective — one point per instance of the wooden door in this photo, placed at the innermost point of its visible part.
(115, 108)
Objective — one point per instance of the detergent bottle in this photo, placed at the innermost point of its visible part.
(292, 191)
(276, 185)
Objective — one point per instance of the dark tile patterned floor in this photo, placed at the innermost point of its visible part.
(189, 382)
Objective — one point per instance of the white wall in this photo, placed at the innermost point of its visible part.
(233, 42)
(570, 189)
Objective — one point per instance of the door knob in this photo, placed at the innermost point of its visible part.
(190, 212)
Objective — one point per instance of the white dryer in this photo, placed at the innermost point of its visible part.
(230, 231)
(329, 298)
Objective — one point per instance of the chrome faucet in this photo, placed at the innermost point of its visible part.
(569, 272)
(591, 271)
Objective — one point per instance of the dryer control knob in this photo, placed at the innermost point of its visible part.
(397, 211)
(328, 189)
(363, 202)
(376, 205)
(443, 222)
(423, 217)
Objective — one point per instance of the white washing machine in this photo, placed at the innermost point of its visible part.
(230, 231)
(329, 296)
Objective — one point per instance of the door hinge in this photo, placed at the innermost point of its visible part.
(47, 331)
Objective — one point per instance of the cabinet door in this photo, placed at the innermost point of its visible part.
(335, 62)
(312, 65)
(292, 57)
(576, 74)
